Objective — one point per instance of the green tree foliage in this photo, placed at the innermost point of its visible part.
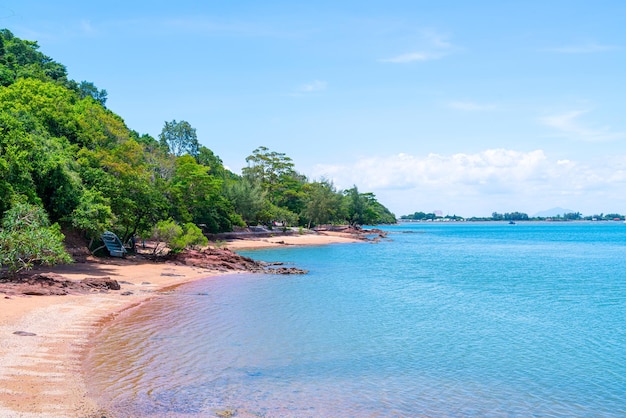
(192, 237)
(275, 173)
(248, 199)
(207, 158)
(123, 177)
(93, 215)
(323, 205)
(419, 216)
(168, 234)
(63, 151)
(180, 138)
(27, 238)
(164, 233)
(364, 209)
(88, 89)
(516, 216)
(22, 59)
(199, 197)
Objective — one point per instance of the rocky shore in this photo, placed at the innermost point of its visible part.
(212, 259)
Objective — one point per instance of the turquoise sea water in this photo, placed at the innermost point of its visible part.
(462, 319)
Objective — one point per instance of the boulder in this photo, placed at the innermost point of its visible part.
(101, 283)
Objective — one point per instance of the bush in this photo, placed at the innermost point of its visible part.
(27, 238)
(177, 238)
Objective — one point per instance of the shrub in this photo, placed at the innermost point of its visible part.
(177, 238)
(27, 238)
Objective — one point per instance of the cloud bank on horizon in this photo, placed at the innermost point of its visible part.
(466, 108)
(513, 180)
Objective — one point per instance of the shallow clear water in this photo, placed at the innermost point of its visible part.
(440, 320)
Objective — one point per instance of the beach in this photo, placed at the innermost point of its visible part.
(43, 338)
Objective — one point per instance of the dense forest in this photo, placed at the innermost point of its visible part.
(70, 162)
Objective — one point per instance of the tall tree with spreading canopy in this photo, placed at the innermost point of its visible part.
(180, 138)
(323, 204)
(275, 173)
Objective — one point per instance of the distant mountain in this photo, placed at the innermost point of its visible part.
(553, 212)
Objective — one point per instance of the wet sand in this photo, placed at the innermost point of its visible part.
(41, 375)
(280, 240)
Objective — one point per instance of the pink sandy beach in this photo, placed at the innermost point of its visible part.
(41, 375)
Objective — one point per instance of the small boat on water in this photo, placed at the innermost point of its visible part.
(511, 223)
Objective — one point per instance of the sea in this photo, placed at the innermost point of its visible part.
(436, 320)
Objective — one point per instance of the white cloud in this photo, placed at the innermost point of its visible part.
(488, 167)
(483, 182)
(586, 48)
(87, 28)
(412, 57)
(470, 106)
(314, 86)
(433, 46)
(569, 125)
(309, 89)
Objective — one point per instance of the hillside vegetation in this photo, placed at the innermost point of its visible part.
(62, 150)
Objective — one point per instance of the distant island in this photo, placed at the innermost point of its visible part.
(511, 217)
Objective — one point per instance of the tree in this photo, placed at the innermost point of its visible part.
(123, 177)
(497, 216)
(323, 203)
(93, 215)
(275, 173)
(516, 216)
(180, 137)
(27, 238)
(364, 209)
(207, 158)
(356, 207)
(247, 198)
(270, 169)
(572, 216)
(88, 89)
(198, 197)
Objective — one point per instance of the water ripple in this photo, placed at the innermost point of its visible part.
(459, 321)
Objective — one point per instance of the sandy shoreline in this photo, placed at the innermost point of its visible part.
(41, 375)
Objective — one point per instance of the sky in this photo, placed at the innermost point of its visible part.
(462, 107)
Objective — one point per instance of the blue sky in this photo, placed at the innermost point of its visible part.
(463, 107)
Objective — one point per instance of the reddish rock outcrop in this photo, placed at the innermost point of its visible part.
(228, 261)
(224, 260)
(48, 284)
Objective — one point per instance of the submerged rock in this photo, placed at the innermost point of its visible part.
(286, 270)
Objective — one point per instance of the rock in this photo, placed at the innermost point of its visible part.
(25, 334)
(127, 293)
(101, 283)
(40, 284)
(286, 270)
(218, 259)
